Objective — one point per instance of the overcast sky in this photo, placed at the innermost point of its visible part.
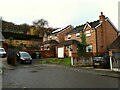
(59, 13)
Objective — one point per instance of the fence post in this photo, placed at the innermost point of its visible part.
(111, 63)
(72, 61)
(110, 54)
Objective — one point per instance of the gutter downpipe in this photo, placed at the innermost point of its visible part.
(96, 42)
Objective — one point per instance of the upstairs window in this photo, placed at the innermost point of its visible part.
(68, 48)
(89, 48)
(69, 37)
(77, 35)
(88, 33)
(50, 37)
(56, 36)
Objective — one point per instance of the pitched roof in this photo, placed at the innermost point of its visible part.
(50, 42)
(79, 28)
(59, 30)
(94, 23)
(69, 42)
(115, 44)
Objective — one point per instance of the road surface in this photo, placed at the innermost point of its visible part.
(55, 76)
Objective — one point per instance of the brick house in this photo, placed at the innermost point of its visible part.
(100, 35)
(59, 35)
(50, 41)
(55, 37)
(114, 50)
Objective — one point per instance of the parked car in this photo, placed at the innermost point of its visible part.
(23, 57)
(2, 52)
(103, 62)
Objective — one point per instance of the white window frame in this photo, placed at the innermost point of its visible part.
(69, 37)
(50, 37)
(88, 33)
(90, 47)
(77, 35)
(55, 36)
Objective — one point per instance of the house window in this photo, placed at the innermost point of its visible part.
(48, 48)
(50, 37)
(68, 48)
(89, 48)
(77, 35)
(69, 37)
(88, 33)
(56, 36)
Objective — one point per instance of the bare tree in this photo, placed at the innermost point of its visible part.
(41, 25)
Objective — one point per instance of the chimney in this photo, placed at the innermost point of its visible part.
(102, 17)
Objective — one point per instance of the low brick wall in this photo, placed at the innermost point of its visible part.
(47, 54)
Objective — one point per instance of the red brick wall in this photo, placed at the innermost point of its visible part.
(106, 34)
(61, 35)
(111, 33)
(47, 54)
(91, 39)
(73, 37)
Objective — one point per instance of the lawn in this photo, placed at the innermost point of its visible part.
(64, 61)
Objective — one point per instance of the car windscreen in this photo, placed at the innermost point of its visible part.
(24, 55)
(98, 58)
(1, 50)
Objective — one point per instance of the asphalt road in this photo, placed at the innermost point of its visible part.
(55, 76)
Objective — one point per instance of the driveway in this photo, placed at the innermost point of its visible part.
(55, 76)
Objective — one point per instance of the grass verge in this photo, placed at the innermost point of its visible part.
(64, 61)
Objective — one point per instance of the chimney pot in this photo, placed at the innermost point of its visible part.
(102, 17)
(101, 13)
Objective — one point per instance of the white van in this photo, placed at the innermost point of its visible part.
(2, 52)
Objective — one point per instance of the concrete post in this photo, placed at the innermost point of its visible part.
(110, 62)
(71, 61)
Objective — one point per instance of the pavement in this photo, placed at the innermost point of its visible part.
(5, 65)
(104, 72)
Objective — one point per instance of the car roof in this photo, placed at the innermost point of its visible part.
(1, 48)
(98, 56)
(22, 52)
